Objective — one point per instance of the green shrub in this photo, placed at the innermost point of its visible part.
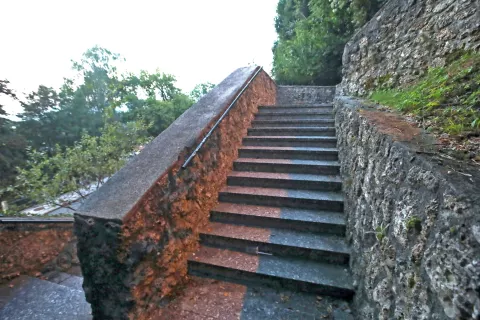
(446, 99)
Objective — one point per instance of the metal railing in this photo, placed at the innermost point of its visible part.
(194, 153)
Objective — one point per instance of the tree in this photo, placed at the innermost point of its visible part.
(4, 90)
(311, 37)
(74, 169)
(200, 90)
(12, 146)
(80, 133)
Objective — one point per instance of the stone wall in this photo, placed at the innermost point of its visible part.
(404, 38)
(31, 248)
(305, 94)
(413, 220)
(135, 254)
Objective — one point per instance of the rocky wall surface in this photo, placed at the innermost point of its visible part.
(131, 261)
(404, 38)
(413, 222)
(305, 94)
(33, 248)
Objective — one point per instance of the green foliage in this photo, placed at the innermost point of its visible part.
(5, 90)
(381, 232)
(81, 132)
(414, 223)
(12, 145)
(200, 90)
(159, 113)
(311, 37)
(12, 154)
(73, 169)
(447, 99)
(411, 281)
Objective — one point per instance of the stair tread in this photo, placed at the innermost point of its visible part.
(312, 149)
(294, 128)
(298, 105)
(65, 279)
(295, 112)
(301, 121)
(286, 176)
(290, 161)
(276, 266)
(306, 113)
(301, 138)
(305, 215)
(285, 193)
(285, 237)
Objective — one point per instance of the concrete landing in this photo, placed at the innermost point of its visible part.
(32, 299)
(208, 299)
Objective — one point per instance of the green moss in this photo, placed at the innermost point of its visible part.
(411, 281)
(446, 100)
(381, 232)
(382, 82)
(414, 223)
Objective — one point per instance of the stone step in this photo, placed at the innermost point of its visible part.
(294, 123)
(304, 153)
(40, 299)
(286, 272)
(284, 180)
(65, 279)
(292, 198)
(298, 106)
(287, 166)
(292, 131)
(294, 110)
(280, 217)
(279, 242)
(294, 115)
(290, 141)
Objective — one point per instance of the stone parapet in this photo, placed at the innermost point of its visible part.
(137, 231)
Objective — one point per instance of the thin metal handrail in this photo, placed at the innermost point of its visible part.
(194, 153)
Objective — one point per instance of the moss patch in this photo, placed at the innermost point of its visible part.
(445, 100)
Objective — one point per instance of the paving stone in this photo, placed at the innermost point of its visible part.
(40, 299)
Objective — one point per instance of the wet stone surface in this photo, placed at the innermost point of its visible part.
(35, 299)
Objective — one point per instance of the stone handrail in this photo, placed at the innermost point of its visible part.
(136, 232)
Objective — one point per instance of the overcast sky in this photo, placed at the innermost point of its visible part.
(195, 40)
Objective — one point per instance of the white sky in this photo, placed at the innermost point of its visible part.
(195, 40)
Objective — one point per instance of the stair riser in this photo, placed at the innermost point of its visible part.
(281, 183)
(288, 154)
(245, 277)
(330, 132)
(256, 221)
(275, 249)
(286, 168)
(291, 143)
(281, 201)
(327, 104)
(299, 123)
(284, 116)
(269, 110)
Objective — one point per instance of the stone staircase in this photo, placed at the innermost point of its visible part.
(280, 221)
(274, 248)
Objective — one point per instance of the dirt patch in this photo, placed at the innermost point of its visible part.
(392, 124)
(29, 249)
